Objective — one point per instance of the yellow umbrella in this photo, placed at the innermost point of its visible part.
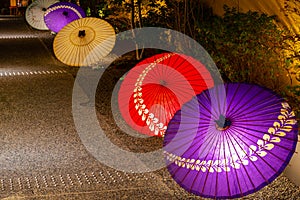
(84, 42)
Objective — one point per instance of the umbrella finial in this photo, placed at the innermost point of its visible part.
(223, 123)
(44, 9)
(65, 13)
(81, 33)
(163, 82)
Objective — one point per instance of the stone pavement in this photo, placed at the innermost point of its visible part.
(41, 154)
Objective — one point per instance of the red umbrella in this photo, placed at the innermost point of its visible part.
(156, 88)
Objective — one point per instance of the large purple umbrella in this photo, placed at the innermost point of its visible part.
(230, 141)
(62, 13)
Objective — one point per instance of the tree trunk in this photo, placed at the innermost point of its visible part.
(138, 53)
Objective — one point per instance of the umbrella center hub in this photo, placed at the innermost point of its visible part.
(65, 13)
(223, 123)
(163, 82)
(81, 33)
(44, 9)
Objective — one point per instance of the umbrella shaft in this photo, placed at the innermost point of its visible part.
(81, 33)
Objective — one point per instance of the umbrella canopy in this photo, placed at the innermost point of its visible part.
(155, 88)
(34, 14)
(84, 42)
(230, 144)
(62, 13)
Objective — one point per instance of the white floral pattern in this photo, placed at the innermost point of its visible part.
(279, 129)
(153, 123)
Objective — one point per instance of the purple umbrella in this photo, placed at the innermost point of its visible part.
(230, 141)
(60, 14)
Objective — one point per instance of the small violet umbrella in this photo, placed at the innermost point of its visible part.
(60, 14)
(155, 88)
(230, 141)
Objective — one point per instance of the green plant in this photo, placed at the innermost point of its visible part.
(244, 46)
(250, 47)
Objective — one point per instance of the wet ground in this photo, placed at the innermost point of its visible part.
(41, 153)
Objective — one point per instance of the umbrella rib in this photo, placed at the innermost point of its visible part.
(257, 107)
(181, 93)
(230, 107)
(64, 57)
(235, 170)
(92, 58)
(218, 165)
(194, 139)
(189, 170)
(213, 114)
(173, 108)
(91, 55)
(264, 114)
(133, 115)
(234, 94)
(218, 100)
(194, 77)
(163, 70)
(243, 124)
(199, 105)
(236, 109)
(158, 112)
(225, 160)
(152, 74)
(153, 97)
(249, 100)
(225, 107)
(237, 142)
(255, 164)
(75, 59)
(253, 112)
(184, 136)
(87, 57)
(167, 106)
(207, 173)
(254, 125)
(178, 60)
(211, 137)
(199, 83)
(202, 135)
(258, 131)
(278, 145)
(179, 63)
(171, 131)
(161, 98)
